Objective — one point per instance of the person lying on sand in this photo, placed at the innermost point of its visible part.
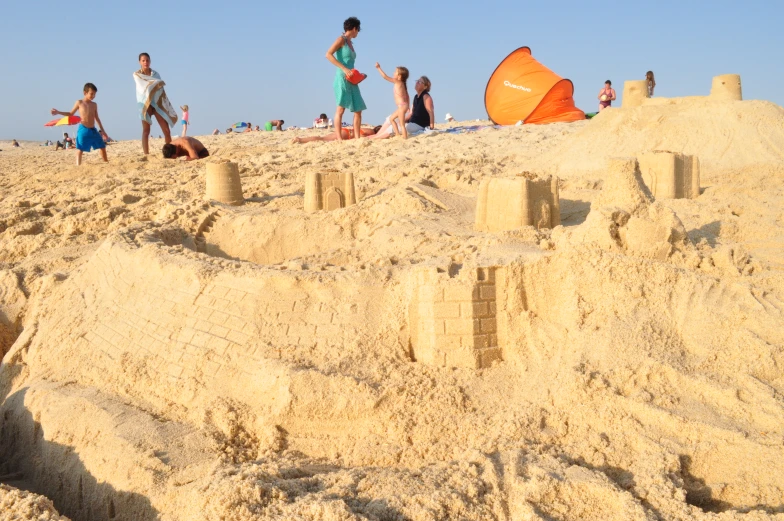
(348, 133)
(188, 147)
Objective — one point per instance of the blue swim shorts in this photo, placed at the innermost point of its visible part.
(88, 139)
(184, 122)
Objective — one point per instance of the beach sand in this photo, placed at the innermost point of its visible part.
(169, 358)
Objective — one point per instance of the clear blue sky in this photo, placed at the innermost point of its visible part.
(242, 60)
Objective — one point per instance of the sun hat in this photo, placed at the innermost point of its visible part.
(448, 117)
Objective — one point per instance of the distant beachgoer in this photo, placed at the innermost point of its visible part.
(151, 100)
(348, 133)
(188, 147)
(15, 144)
(321, 122)
(185, 119)
(606, 96)
(87, 137)
(347, 96)
(651, 83)
(402, 100)
(275, 124)
(229, 130)
(422, 115)
(66, 143)
(256, 129)
(449, 118)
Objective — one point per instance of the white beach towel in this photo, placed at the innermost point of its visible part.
(149, 92)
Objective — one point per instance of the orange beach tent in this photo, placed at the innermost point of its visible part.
(521, 88)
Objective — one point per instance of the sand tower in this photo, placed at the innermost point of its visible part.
(223, 183)
(453, 320)
(670, 175)
(510, 204)
(329, 191)
(634, 92)
(726, 87)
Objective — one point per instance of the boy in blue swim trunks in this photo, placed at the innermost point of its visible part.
(87, 137)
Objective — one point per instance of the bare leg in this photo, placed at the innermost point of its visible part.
(103, 155)
(78, 158)
(145, 137)
(165, 127)
(358, 125)
(401, 116)
(339, 123)
(184, 130)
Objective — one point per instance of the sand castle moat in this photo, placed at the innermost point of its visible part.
(612, 354)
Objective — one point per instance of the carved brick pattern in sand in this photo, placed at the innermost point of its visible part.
(510, 204)
(453, 321)
(184, 329)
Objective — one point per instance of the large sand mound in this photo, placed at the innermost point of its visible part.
(723, 134)
(170, 358)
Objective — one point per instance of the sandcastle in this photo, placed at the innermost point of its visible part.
(634, 93)
(453, 321)
(726, 87)
(329, 191)
(723, 87)
(223, 183)
(510, 204)
(670, 175)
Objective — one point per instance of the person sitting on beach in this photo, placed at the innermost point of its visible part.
(229, 130)
(188, 147)
(15, 144)
(215, 132)
(276, 124)
(422, 115)
(256, 129)
(348, 133)
(249, 128)
(606, 96)
(321, 122)
(68, 142)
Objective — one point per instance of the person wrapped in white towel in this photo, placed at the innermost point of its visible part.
(151, 100)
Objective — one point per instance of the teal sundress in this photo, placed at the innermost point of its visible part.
(346, 93)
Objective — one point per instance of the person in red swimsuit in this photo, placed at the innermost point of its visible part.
(606, 96)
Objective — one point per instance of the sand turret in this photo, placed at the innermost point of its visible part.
(634, 93)
(670, 175)
(726, 87)
(223, 183)
(510, 204)
(329, 191)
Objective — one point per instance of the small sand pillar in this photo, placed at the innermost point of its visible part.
(726, 87)
(634, 92)
(223, 183)
(313, 192)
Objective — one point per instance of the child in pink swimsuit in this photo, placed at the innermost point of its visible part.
(185, 120)
(401, 98)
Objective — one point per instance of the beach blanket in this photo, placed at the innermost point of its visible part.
(150, 93)
(464, 130)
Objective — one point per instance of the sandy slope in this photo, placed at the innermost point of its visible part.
(635, 384)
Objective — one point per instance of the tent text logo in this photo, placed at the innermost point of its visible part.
(518, 87)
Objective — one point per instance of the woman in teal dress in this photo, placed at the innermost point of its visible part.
(347, 96)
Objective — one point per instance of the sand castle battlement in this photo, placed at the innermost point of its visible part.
(510, 204)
